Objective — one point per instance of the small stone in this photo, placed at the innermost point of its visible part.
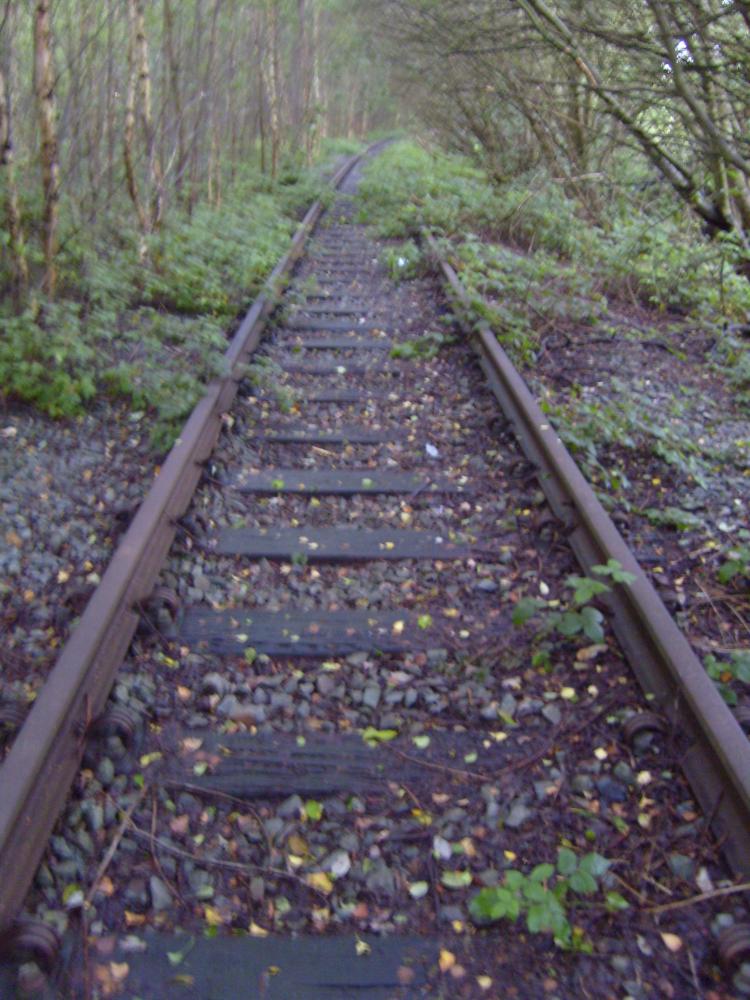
(214, 683)
(436, 657)
(380, 879)
(371, 696)
(161, 897)
(518, 815)
(611, 790)
(552, 714)
(486, 585)
(682, 866)
(582, 783)
(325, 684)
(105, 772)
(290, 808)
(624, 772)
(228, 704)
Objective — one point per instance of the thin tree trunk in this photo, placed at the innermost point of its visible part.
(271, 74)
(44, 86)
(156, 173)
(128, 147)
(19, 267)
(174, 86)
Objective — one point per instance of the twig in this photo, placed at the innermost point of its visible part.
(234, 866)
(112, 849)
(681, 904)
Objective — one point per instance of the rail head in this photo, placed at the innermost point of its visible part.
(717, 761)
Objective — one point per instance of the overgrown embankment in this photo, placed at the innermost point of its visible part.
(632, 337)
(144, 320)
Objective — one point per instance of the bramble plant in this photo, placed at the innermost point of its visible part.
(543, 897)
(725, 674)
(577, 616)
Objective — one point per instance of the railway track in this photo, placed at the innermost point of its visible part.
(372, 694)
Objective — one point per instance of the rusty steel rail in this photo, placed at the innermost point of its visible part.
(717, 761)
(45, 756)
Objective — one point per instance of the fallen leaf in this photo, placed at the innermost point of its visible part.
(672, 941)
(447, 960)
(214, 916)
(362, 947)
(255, 930)
(320, 881)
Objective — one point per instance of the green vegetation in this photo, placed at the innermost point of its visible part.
(145, 321)
(556, 269)
(543, 897)
(726, 673)
(577, 616)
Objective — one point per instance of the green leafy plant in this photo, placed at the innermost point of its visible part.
(577, 615)
(543, 897)
(736, 560)
(426, 346)
(725, 674)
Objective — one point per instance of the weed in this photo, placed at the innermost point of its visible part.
(543, 897)
(577, 615)
(727, 673)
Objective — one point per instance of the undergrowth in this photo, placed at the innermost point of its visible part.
(150, 328)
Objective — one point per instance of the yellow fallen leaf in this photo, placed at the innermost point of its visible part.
(468, 846)
(451, 612)
(192, 743)
(362, 947)
(255, 930)
(589, 652)
(397, 628)
(295, 860)
(510, 855)
(297, 844)
(213, 916)
(119, 970)
(672, 941)
(134, 919)
(484, 982)
(319, 881)
(447, 960)
(106, 886)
